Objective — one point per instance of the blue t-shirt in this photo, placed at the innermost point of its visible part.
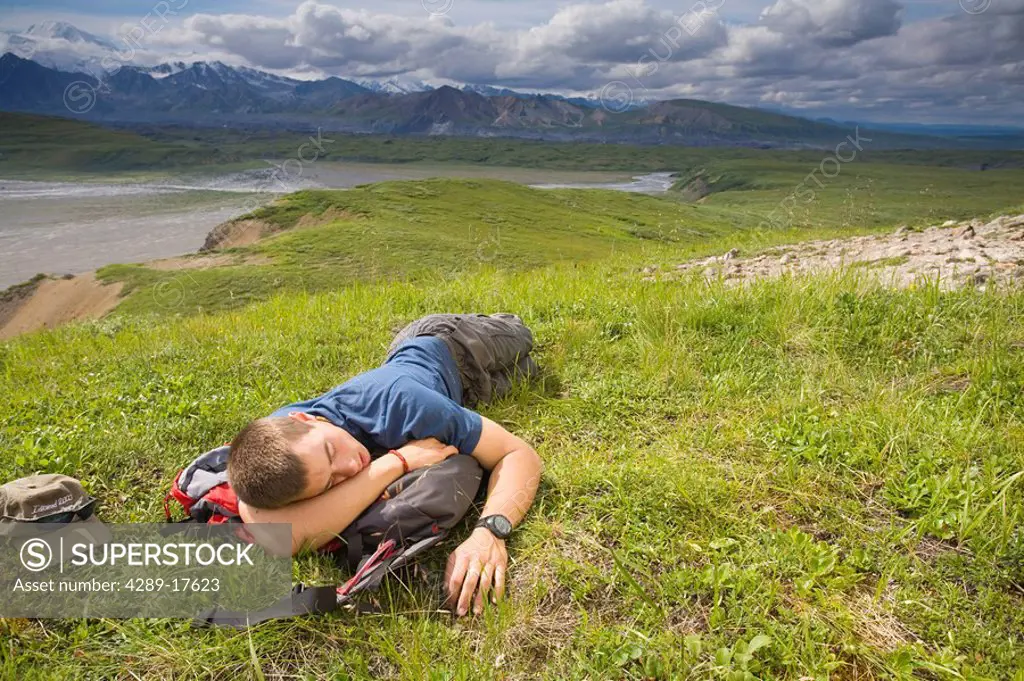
(417, 394)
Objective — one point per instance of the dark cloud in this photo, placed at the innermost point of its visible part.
(833, 23)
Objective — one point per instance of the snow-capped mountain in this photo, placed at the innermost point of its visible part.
(61, 30)
(489, 91)
(396, 85)
(163, 70)
(205, 73)
(262, 79)
(18, 44)
(59, 45)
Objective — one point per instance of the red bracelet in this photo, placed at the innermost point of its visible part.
(405, 464)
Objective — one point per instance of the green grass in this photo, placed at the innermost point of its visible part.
(414, 230)
(819, 467)
(804, 478)
(446, 227)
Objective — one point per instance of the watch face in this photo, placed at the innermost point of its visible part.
(501, 525)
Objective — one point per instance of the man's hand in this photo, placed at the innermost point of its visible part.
(423, 453)
(478, 565)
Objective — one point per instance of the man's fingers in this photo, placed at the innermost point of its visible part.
(457, 574)
(468, 587)
(484, 589)
(450, 450)
(499, 584)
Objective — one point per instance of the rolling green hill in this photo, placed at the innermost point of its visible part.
(443, 228)
(416, 230)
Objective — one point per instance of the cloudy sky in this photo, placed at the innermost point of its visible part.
(882, 60)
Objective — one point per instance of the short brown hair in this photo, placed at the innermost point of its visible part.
(263, 469)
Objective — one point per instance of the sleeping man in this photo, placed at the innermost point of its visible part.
(320, 463)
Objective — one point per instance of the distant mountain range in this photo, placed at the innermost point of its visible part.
(209, 94)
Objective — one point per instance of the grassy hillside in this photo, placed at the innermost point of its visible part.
(444, 228)
(823, 470)
(434, 229)
(31, 144)
(786, 191)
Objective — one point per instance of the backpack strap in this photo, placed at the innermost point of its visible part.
(303, 600)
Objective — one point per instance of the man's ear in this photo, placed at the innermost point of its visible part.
(301, 416)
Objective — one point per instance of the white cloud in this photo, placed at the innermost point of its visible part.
(845, 54)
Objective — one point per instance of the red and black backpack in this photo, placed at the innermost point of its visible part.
(413, 514)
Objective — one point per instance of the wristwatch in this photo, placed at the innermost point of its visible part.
(499, 525)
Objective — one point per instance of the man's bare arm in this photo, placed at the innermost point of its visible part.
(515, 471)
(317, 520)
(481, 560)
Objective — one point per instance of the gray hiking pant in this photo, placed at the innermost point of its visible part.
(491, 351)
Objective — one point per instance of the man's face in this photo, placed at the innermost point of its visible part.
(331, 455)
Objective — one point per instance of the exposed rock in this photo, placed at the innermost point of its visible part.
(968, 253)
(1002, 255)
(903, 230)
(949, 223)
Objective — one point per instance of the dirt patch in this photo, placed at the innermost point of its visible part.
(12, 298)
(545, 613)
(236, 233)
(966, 254)
(59, 301)
(204, 262)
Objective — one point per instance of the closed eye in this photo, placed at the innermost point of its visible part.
(330, 464)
